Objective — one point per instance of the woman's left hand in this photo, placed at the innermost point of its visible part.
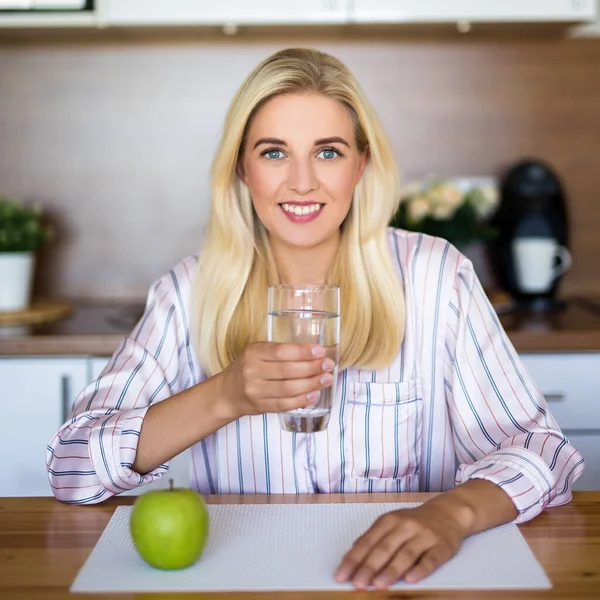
(408, 543)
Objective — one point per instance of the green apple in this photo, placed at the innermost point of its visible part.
(169, 527)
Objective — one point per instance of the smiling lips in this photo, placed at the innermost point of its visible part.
(301, 213)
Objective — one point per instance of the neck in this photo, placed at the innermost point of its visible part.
(304, 265)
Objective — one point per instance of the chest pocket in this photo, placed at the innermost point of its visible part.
(383, 421)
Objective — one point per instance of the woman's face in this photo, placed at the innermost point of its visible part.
(301, 164)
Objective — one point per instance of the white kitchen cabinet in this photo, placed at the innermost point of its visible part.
(570, 383)
(37, 393)
(441, 11)
(35, 397)
(179, 468)
(588, 29)
(70, 15)
(589, 446)
(96, 365)
(237, 12)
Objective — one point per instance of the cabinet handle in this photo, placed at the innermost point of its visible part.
(556, 397)
(65, 390)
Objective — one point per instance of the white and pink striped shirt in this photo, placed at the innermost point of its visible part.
(455, 404)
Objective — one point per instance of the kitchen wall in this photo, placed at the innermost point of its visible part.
(115, 138)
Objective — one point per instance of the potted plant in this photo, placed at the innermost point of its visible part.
(22, 233)
(457, 210)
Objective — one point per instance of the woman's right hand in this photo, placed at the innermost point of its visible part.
(270, 377)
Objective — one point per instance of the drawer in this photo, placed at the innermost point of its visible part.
(571, 385)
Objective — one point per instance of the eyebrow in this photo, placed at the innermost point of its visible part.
(321, 142)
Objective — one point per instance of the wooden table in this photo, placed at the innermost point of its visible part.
(43, 544)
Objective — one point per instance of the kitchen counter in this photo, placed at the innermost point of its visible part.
(574, 328)
(93, 328)
(97, 328)
(43, 544)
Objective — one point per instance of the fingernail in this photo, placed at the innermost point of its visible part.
(327, 379)
(318, 351)
(411, 577)
(312, 396)
(342, 576)
(361, 584)
(381, 583)
(328, 365)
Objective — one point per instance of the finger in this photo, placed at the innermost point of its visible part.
(301, 401)
(297, 369)
(406, 558)
(297, 387)
(274, 351)
(428, 563)
(377, 558)
(362, 546)
(278, 403)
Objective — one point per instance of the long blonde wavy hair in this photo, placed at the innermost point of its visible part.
(236, 263)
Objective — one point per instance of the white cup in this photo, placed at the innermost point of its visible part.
(535, 263)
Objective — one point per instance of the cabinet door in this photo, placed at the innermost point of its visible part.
(35, 396)
(207, 12)
(96, 365)
(179, 467)
(588, 443)
(472, 10)
(570, 383)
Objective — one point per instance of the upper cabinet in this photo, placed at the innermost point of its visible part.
(176, 13)
(49, 13)
(444, 11)
(222, 12)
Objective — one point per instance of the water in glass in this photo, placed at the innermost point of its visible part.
(313, 327)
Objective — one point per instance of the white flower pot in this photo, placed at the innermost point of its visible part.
(16, 278)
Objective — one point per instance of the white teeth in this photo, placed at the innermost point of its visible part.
(301, 210)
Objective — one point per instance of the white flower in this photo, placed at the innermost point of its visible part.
(418, 208)
(442, 212)
(445, 199)
(484, 200)
(412, 189)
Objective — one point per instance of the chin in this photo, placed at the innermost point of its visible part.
(304, 240)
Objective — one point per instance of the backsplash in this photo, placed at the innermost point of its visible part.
(115, 139)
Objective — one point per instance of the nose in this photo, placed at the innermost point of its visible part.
(302, 177)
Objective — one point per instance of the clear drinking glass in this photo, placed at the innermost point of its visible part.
(307, 314)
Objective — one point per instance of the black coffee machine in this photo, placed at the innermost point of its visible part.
(531, 217)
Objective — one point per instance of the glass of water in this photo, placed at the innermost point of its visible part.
(307, 313)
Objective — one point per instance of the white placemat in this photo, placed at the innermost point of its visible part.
(280, 547)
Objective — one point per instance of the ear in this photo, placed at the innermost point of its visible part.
(364, 159)
(239, 169)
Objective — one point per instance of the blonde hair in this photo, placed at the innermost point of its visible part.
(236, 264)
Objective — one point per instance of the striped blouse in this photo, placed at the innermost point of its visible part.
(455, 404)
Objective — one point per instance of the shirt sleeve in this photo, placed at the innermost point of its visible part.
(502, 427)
(91, 456)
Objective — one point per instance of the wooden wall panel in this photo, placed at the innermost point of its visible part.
(115, 138)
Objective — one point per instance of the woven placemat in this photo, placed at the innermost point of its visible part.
(39, 312)
(296, 547)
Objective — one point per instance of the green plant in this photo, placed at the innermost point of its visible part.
(21, 227)
(445, 209)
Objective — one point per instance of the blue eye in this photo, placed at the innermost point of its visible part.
(329, 153)
(273, 154)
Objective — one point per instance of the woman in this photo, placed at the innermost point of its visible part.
(431, 394)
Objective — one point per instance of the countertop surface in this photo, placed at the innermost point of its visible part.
(43, 544)
(93, 328)
(97, 328)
